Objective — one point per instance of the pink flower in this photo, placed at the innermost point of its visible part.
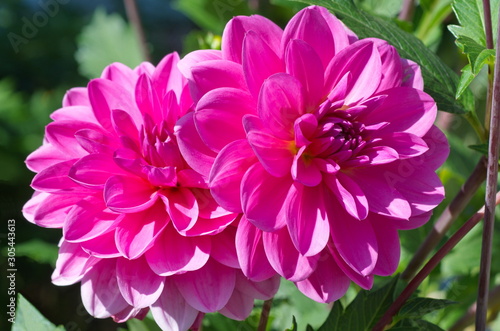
(140, 228)
(324, 141)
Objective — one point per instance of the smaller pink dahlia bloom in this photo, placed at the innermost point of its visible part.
(140, 228)
(325, 142)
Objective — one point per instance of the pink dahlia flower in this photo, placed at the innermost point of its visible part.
(140, 228)
(324, 141)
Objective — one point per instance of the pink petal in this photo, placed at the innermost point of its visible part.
(136, 232)
(88, 219)
(281, 102)
(210, 226)
(72, 263)
(305, 170)
(310, 26)
(96, 142)
(405, 144)
(259, 61)
(209, 288)
(78, 113)
(193, 149)
(413, 223)
(263, 198)
(105, 96)
(251, 255)
(148, 100)
(210, 75)
(93, 170)
(77, 96)
(171, 311)
(327, 283)
(195, 57)
(381, 193)
(349, 194)
(129, 313)
(365, 282)
(173, 253)
(438, 148)
(138, 284)
(285, 258)
(307, 218)
(182, 207)
(61, 134)
(389, 250)
(392, 72)
(238, 307)
(209, 208)
(362, 60)
(222, 110)
(103, 246)
(55, 179)
(274, 154)
(224, 249)
(125, 125)
(303, 63)
(45, 156)
(412, 75)
(355, 240)
(167, 77)
(128, 194)
(225, 178)
(341, 34)
(416, 115)
(120, 74)
(50, 210)
(423, 190)
(236, 30)
(263, 290)
(100, 294)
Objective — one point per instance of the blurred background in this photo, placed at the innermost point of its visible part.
(49, 46)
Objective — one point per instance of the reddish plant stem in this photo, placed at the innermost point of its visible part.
(488, 30)
(135, 20)
(446, 219)
(264, 315)
(427, 269)
(491, 186)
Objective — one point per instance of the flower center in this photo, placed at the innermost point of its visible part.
(337, 138)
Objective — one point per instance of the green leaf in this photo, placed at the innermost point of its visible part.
(465, 80)
(367, 308)
(29, 318)
(333, 320)
(38, 250)
(107, 39)
(294, 325)
(482, 148)
(212, 15)
(418, 307)
(385, 8)
(429, 27)
(147, 324)
(440, 81)
(415, 325)
(471, 18)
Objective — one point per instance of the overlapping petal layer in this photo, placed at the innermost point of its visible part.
(331, 148)
(141, 229)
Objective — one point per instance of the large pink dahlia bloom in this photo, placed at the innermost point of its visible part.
(140, 228)
(324, 141)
